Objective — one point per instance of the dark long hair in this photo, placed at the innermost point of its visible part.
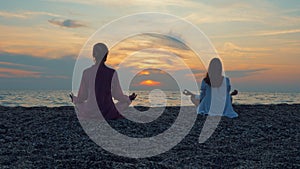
(206, 79)
(214, 77)
(100, 52)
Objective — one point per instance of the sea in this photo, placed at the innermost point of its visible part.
(57, 98)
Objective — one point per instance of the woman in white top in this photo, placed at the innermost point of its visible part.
(214, 84)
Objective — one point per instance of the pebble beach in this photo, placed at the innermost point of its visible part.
(263, 136)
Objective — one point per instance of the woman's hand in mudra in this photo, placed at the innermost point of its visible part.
(132, 96)
(188, 93)
(71, 95)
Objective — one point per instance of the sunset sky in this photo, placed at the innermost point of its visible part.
(258, 41)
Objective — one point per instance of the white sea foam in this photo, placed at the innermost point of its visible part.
(56, 98)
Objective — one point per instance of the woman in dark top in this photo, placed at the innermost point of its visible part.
(99, 84)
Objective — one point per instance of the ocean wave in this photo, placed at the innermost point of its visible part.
(57, 98)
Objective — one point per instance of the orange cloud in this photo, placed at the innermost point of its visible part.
(19, 65)
(27, 14)
(145, 72)
(57, 77)
(16, 73)
(150, 51)
(40, 41)
(150, 83)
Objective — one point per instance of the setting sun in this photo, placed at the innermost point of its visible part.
(150, 83)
